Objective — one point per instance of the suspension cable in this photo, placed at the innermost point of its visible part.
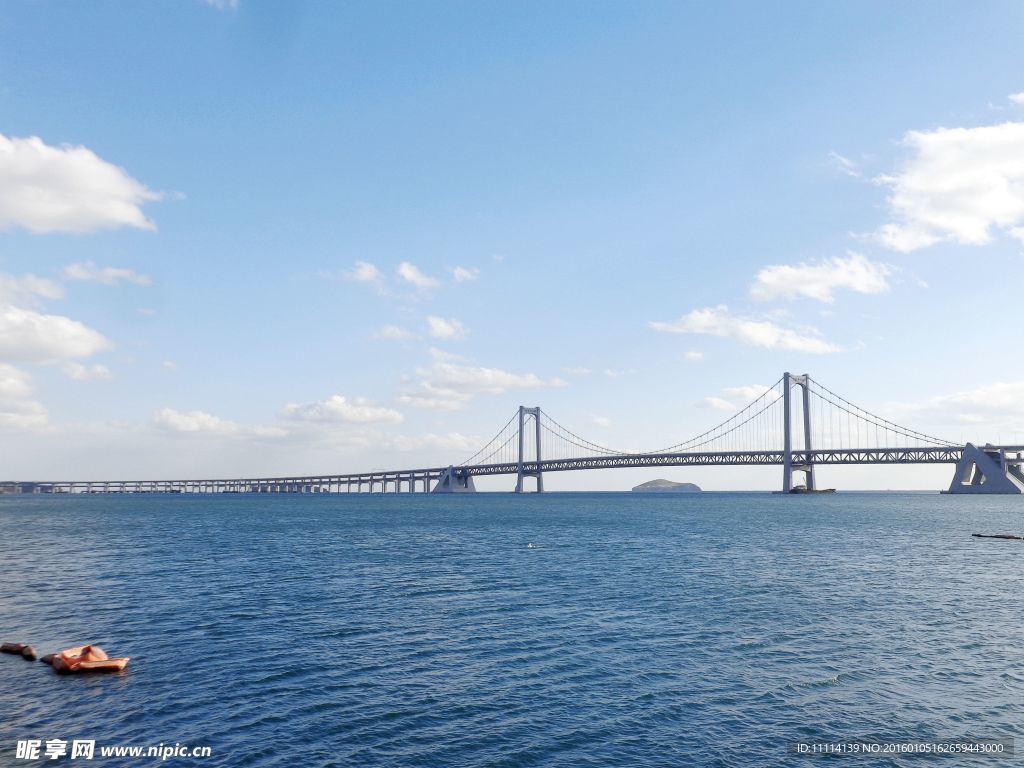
(874, 418)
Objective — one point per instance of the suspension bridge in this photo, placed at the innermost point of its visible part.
(797, 424)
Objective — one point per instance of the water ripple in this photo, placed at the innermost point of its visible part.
(561, 630)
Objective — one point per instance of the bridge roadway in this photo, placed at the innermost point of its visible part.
(421, 480)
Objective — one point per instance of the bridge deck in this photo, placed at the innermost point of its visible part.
(420, 480)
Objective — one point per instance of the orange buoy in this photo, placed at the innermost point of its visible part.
(86, 658)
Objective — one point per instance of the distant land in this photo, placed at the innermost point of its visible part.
(662, 486)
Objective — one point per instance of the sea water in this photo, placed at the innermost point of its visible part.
(503, 630)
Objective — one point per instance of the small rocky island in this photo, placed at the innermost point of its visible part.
(663, 486)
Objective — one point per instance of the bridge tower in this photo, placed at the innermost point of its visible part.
(529, 468)
(789, 381)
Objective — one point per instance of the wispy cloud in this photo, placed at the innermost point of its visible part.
(80, 372)
(750, 392)
(339, 408)
(719, 321)
(87, 271)
(394, 333)
(192, 421)
(451, 329)
(738, 397)
(203, 423)
(452, 441)
(818, 280)
(449, 383)
(410, 273)
(364, 272)
(18, 411)
(995, 409)
(844, 164)
(27, 289)
(465, 274)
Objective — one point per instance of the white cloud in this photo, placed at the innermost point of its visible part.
(1016, 98)
(14, 383)
(17, 411)
(66, 189)
(480, 380)
(987, 401)
(430, 397)
(29, 336)
(439, 328)
(718, 321)
(751, 392)
(742, 395)
(818, 280)
(89, 272)
(411, 274)
(222, 5)
(958, 186)
(20, 415)
(718, 404)
(448, 384)
(364, 272)
(338, 408)
(844, 164)
(465, 274)
(80, 372)
(193, 422)
(27, 288)
(600, 421)
(694, 356)
(452, 441)
(394, 333)
(996, 410)
(201, 422)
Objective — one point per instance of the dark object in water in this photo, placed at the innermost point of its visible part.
(803, 489)
(997, 536)
(23, 650)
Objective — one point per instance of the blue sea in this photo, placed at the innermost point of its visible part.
(501, 630)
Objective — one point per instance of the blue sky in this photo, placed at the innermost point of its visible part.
(205, 209)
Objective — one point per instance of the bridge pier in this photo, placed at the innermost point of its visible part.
(455, 481)
(989, 470)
